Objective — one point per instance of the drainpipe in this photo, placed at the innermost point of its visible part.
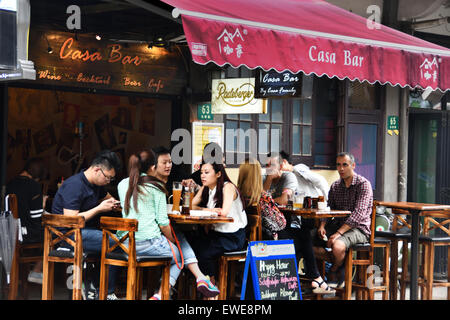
(403, 145)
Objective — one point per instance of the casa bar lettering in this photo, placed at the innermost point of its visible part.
(315, 54)
(115, 55)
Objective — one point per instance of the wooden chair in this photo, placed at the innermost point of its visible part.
(227, 262)
(429, 243)
(120, 255)
(364, 259)
(396, 237)
(74, 256)
(24, 255)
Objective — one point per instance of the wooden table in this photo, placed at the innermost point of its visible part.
(185, 219)
(416, 210)
(316, 213)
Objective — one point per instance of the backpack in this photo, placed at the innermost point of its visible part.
(273, 219)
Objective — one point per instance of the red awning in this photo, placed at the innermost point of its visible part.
(311, 36)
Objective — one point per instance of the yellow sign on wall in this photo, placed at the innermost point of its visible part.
(202, 134)
(235, 96)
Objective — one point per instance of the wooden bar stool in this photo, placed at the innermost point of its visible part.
(119, 255)
(363, 260)
(227, 262)
(24, 255)
(429, 243)
(74, 256)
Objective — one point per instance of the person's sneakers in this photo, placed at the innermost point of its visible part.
(112, 296)
(206, 288)
(156, 297)
(35, 277)
(89, 293)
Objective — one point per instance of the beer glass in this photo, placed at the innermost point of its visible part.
(176, 192)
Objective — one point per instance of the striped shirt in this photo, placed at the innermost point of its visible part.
(357, 198)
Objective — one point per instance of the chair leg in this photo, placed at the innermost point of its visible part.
(348, 275)
(103, 291)
(47, 280)
(223, 277)
(139, 279)
(131, 282)
(404, 274)
(430, 272)
(14, 277)
(77, 281)
(387, 253)
(165, 294)
(393, 283)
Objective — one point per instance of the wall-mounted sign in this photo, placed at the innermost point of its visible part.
(235, 96)
(204, 111)
(10, 5)
(60, 58)
(392, 125)
(274, 84)
(202, 134)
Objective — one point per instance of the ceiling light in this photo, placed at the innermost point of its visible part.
(98, 37)
(50, 50)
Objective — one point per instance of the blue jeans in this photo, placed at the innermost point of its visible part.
(160, 247)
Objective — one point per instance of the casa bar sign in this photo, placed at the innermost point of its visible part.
(82, 61)
(235, 96)
(274, 84)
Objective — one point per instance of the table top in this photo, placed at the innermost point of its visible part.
(185, 219)
(316, 213)
(414, 206)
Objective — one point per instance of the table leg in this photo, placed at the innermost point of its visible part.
(415, 230)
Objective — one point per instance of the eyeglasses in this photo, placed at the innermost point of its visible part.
(107, 177)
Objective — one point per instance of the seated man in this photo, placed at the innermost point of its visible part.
(311, 183)
(83, 194)
(31, 203)
(351, 192)
(283, 184)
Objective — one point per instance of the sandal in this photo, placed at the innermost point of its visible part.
(320, 290)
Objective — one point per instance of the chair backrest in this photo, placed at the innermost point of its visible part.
(111, 224)
(72, 224)
(13, 205)
(430, 222)
(254, 222)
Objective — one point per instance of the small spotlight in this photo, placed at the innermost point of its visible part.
(50, 50)
(150, 45)
(98, 37)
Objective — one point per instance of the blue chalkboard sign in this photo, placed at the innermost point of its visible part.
(271, 271)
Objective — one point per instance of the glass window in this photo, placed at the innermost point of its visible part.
(363, 96)
(277, 110)
(362, 143)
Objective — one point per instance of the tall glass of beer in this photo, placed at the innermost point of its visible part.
(176, 196)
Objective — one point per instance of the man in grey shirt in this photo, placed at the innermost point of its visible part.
(281, 184)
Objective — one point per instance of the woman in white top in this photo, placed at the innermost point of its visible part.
(220, 195)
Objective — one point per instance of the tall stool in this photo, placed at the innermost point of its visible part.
(429, 243)
(24, 255)
(126, 257)
(228, 260)
(74, 256)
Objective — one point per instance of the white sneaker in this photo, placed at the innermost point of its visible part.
(35, 277)
(112, 296)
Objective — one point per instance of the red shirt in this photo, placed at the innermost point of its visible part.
(358, 198)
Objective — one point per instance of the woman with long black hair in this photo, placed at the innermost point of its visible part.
(220, 195)
(143, 197)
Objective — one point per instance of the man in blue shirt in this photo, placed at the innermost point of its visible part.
(83, 194)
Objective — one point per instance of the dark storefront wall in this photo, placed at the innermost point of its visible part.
(428, 166)
(125, 104)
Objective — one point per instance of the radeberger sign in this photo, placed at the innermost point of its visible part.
(235, 96)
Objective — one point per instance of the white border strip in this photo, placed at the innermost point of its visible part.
(320, 75)
(177, 11)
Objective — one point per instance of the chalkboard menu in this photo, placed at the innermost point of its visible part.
(271, 271)
(273, 84)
